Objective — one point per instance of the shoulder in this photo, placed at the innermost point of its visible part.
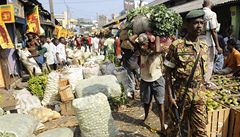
(203, 44)
(179, 43)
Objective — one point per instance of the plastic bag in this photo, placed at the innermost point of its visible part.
(107, 68)
(44, 114)
(25, 101)
(141, 24)
(218, 63)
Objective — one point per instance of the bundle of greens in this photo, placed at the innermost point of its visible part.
(164, 21)
(37, 85)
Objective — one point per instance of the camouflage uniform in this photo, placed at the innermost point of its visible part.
(180, 59)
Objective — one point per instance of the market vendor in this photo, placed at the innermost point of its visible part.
(180, 62)
(37, 52)
(233, 59)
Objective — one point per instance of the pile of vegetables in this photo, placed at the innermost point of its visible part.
(228, 90)
(210, 102)
(37, 85)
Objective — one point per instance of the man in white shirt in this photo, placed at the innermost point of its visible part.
(211, 37)
(95, 41)
(51, 51)
(61, 52)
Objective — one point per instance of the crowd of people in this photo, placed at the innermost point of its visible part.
(189, 64)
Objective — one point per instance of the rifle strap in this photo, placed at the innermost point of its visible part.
(190, 78)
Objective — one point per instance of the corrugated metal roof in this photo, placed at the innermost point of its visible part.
(197, 4)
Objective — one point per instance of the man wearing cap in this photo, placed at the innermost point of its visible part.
(179, 63)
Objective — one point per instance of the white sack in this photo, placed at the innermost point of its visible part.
(94, 116)
(90, 70)
(107, 85)
(51, 95)
(19, 124)
(74, 74)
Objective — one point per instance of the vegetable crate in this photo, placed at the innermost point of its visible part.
(218, 121)
(234, 123)
(223, 123)
(67, 109)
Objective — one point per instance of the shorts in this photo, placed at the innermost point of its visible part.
(156, 88)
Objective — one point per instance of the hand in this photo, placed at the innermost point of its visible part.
(173, 102)
(220, 51)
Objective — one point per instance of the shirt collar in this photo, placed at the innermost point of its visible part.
(196, 45)
(206, 8)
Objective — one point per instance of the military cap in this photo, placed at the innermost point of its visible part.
(195, 14)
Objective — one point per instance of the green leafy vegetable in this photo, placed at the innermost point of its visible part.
(37, 85)
(164, 21)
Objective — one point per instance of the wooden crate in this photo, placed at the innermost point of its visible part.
(67, 109)
(218, 121)
(234, 123)
(66, 93)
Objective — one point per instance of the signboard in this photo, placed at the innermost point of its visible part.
(33, 21)
(5, 40)
(58, 30)
(7, 13)
(18, 8)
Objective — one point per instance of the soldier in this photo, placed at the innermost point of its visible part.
(180, 62)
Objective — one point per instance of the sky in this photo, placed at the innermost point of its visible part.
(86, 8)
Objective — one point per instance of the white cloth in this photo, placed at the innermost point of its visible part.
(29, 63)
(51, 53)
(61, 51)
(211, 23)
(95, 41)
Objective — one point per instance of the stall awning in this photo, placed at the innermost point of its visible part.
(197, 4)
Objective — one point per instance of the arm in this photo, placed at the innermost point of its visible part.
(169, 87)
(213, 30)
(215, 39)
